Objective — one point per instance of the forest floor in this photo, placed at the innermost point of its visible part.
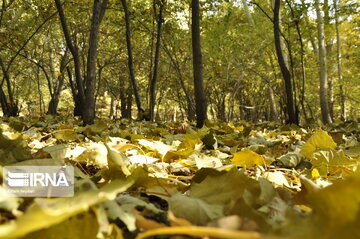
(226, 180)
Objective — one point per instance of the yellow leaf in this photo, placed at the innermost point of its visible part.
(184, 150)
(315, 173)
(320, 140)
(277, 178)
(190, 144)
(247, 158)
(117, 159)
(200, 232)
(66, 135)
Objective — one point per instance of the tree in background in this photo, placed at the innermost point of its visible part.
(131, 60)
(290, 105)
(85, 96)
(200, 100)
(242, 79)
(324, 103)
(152, 88)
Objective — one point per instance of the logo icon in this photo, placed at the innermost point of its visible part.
(18, 179)
(39, 181)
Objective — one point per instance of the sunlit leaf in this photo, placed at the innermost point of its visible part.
(247, 158)
(47, 212)
(318, 141)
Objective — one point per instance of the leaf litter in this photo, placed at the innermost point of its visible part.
(226, 180)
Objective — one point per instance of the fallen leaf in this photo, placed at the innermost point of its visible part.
(247, 158)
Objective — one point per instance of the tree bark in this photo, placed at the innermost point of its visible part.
(159, 20)
(328, 47)
(308, 24)
(55, 96)
(290, 106)
(122, 97)
(129, 104)
(302, 60)
(324, 103)
(130, 58)
(9, 108)
(200, 99)
(338, 60)
(190, 109)
(76, 97)
(247, 12)
(274, 115)
(112, 114)
(90, 82)
(4, 103)
(80, 95)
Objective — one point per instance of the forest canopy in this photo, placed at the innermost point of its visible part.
(287, 61)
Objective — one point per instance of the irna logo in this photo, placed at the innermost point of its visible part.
(39, 181)
(36, 179)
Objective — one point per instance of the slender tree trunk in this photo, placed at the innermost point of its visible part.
(129, 104)
(308, 24)
(55, 95)
(76, 97)
(159, 20)
(112, 107)
(122, 98)
(151, 45)
(274, 115)
(10, 108)
(190, 106)
(4, 103)
(200, 99)
(39, 91)
(328, 47)
(247, 12)
(338, 59)
(130, 58)
(284, 69)
(331, 96)
(324, 103)
(302, 60)
(53, 104)
(80, 95)
(89, 108)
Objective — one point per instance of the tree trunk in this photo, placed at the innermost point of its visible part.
(302, 60)
(55, 96)
(324, 103)
(292, 119)
(274, 115)
(53, 104)
(89, 107)
(338, 60)
(190, 106)
(308, 24)
(4, 103)
(159, 20)
(128, 104)
(76, 97)
(9, 108)
(130, 58)
(112, 114)
(328, 47)
(79, 96)
(122, 98)
(247, 12)
(200, 99)
(39, 92)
